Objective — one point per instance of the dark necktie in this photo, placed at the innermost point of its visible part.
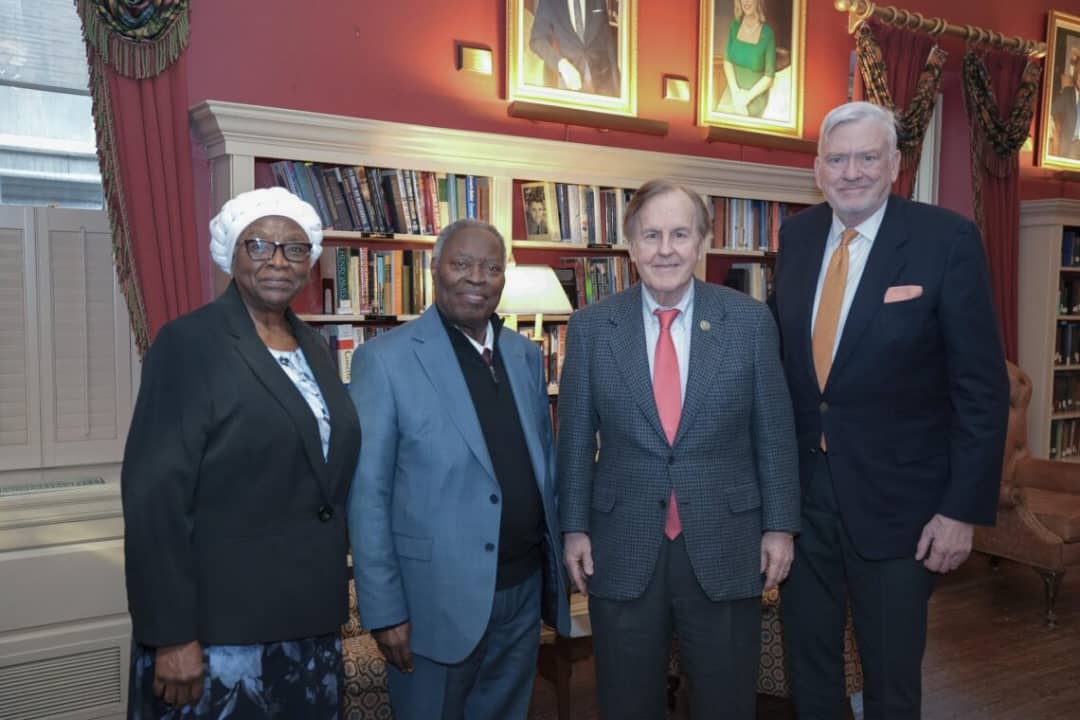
(490, 362)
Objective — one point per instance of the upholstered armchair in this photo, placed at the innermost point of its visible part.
(365, 695)
(1038, 520)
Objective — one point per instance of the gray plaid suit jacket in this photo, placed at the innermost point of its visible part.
(733, 464)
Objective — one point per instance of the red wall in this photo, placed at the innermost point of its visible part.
(394, 60)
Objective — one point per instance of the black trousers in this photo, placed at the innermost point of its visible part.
(719, 646)
(889, 605)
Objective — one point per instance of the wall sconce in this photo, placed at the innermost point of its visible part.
(474, 58)
(676, 88)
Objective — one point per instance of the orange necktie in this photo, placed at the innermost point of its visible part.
(667, 392)
(828, 314)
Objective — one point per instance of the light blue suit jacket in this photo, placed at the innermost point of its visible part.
(423, 528)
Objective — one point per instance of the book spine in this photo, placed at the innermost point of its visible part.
(470, 196)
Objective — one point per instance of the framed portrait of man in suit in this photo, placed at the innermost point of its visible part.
(750, 56)
(578, 54)
(1059, 127)
(540, 220)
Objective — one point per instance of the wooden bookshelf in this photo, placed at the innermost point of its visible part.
(1040, 275)
(322, 319)
(727, 252)
(567, 246)
(349, 237)
(238, 138)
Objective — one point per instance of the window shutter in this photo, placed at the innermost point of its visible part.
(86, 390)
(20, 436)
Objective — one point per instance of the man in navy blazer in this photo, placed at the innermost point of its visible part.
(894, 362)
(452, 514)
(580, 47)
(1064, 111)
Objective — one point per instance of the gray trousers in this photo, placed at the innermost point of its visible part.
(719, 646)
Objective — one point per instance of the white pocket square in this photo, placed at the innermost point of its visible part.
(902, 293)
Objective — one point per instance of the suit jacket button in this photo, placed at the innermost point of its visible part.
(490, 547)
(671, 460)
(663, 504)
(823, 407)
(325, 513)
(494, 499)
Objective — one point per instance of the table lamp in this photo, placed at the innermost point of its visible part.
(532, 290)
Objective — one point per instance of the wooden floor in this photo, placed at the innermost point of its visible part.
(989, 653)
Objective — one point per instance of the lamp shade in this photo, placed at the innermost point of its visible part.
(532, 289)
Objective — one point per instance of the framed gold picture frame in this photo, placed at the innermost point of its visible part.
(579, 54)
(1059, 140)
(751, 65)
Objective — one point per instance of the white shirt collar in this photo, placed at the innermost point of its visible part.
(489, 339)
(683, 306)
(868, 228)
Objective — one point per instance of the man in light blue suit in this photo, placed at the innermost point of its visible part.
(452, 514)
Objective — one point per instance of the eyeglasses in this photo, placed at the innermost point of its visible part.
(261, 250)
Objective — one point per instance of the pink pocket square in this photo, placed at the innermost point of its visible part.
(902, 293)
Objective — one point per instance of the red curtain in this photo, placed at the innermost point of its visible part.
(901, 70)
(139, 88)
(1000, 89)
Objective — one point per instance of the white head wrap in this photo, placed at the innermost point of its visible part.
(247, 207)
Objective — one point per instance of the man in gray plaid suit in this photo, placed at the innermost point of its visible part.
(677, 469)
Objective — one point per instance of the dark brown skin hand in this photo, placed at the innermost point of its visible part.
(393, 643)
(178, 673)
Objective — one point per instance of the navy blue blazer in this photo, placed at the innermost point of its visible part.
(916, 404)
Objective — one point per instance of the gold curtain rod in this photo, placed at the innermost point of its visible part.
(860, 11)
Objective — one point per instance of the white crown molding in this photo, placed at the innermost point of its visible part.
(234, 129)
(1053, 211)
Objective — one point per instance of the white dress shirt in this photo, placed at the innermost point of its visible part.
(574, 6)
(680, 331)
(858, 252)
(489, 340)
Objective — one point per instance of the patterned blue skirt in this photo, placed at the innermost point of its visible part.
(295, 679)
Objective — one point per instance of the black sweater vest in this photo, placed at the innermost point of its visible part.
(521, 528)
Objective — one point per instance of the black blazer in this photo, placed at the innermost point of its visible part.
(915, 408)
(234, 523)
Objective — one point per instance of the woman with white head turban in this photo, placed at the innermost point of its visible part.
(236, 470)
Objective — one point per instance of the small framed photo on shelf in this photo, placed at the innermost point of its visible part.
(578, 54)
(750, 56)
(1059, 139)
(538, 202)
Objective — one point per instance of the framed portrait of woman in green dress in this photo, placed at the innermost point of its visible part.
(751, 65)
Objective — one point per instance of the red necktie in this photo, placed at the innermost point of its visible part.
(667, 393)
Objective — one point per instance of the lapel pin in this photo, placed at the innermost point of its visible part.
(705, 325)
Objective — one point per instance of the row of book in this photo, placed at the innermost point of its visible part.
(1070, 248)
(553, 348)
(1069, 296)
(1067, 343)
(754, 279)
(1066, 391)
(580, 214)
(343, 339)
(364, 281)
(1064, 439)
(368, 199)
(587, 280)
(740, 224)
